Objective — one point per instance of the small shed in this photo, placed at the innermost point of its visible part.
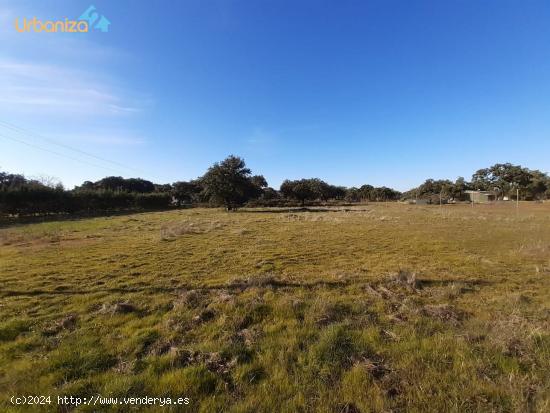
(481, 197)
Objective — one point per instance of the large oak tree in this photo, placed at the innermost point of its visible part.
(230, 183)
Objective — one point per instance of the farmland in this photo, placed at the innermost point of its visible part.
(377, 307)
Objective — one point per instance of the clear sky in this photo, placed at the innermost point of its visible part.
(382, 92)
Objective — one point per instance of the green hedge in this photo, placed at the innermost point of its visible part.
(41, 200)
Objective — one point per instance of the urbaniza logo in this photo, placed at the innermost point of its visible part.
(90, 20)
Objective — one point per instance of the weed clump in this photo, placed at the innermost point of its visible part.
(348, 408)
(406, 278)
(195, 381)
(251, 374)
(247, 315)
(204, 316)
(248, 336)
(66, 323)
(335, 351)
(11, 329)
(77, 359)
(334, 313)
(124, 307)
(173, 230)
(190, 299)
(258, 281)
(444, 312)
(220, 364)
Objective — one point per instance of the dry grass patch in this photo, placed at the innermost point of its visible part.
(173, 230)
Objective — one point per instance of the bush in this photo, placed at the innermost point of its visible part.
(152, 201)
(92, 201)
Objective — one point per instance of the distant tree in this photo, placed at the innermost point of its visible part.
(537, 187)
(434, 190)
(111, 183)
(229, 183)
(502, 178)
(458, 189)
(163, 188)
(366, 193)
(87, 185)
(301, 190)
(320, 189)
(325, 191)
(264, 192)
(138, 185)
(186, 192)
(49, 181)
(445, 189)
(353, 195)
(259, 181)
(337, 192)
(8, 180)
(269, 194)
(385, 194)
(310, 189)
(118, 183)
(370, 193)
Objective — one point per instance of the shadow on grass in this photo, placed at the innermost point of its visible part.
(239, 286)
(423, 283)
(7, 221)
(235, 286)
(303, 209)
(13, 221)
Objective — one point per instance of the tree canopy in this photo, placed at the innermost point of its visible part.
(118, 183)
(230, 183)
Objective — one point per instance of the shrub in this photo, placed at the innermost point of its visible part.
(152, 201)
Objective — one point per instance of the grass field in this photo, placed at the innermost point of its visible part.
(384, 307)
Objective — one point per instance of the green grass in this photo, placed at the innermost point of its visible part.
(283, 311)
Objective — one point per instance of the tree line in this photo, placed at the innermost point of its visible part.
(504, 180)
(231, 184)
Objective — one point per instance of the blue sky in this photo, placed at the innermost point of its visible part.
(382, 92)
